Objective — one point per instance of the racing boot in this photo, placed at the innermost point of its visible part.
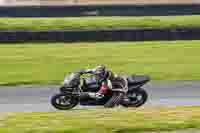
(96, 96)
(87, 95)
(101, 93)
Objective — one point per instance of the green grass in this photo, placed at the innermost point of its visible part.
(102, 120)
(43, 64)
(98, 22)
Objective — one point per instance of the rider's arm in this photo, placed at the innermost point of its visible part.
(89, 71)
(86, 71)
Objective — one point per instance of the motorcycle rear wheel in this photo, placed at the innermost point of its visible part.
(63, 101)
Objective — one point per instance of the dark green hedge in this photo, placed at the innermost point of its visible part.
(101, 35)
(99, 10)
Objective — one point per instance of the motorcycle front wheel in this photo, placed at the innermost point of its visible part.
(135, 98)
(63, 101)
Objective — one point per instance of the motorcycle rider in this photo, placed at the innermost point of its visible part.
(104, 77)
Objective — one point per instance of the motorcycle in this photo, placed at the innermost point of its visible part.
(75, 86)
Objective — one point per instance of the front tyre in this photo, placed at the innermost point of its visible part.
(63, 101)
(135, 98)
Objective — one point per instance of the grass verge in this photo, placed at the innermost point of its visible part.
(43, 64)
(102, 120)
(98, 22)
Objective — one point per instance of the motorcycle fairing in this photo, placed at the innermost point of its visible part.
(91, 84)
(137, 79)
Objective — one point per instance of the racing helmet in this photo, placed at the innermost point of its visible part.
(100, 72)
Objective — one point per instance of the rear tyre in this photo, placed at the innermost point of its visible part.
(135, 98)
(62, 101)
(115, 100)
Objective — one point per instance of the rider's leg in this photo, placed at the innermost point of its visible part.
(102, 91)
(115, 100)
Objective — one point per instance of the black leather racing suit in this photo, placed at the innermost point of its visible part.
(106, 84)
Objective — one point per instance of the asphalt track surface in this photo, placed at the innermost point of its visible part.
(36, 98)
